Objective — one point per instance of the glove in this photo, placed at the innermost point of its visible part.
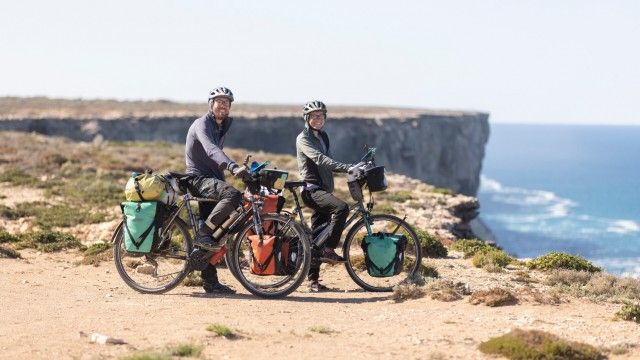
(356, 171)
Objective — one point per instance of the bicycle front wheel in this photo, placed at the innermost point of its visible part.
(353, 253)
(281, 271)
(160, 270)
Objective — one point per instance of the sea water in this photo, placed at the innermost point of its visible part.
(565, 188)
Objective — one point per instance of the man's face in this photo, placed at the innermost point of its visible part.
(220, 107)
(316, 120)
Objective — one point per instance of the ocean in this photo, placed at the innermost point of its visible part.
(565, 188)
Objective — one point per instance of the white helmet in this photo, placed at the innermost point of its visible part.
(312, 106)
(221, 91)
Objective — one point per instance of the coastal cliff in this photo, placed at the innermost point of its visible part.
(443, 149)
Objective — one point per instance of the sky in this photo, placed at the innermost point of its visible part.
(538, 61)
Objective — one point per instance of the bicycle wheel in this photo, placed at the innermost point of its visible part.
(289, 277)
(352, 251)
(160, 270)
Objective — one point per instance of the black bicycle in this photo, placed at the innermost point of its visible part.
(170, 259)
(365, 224)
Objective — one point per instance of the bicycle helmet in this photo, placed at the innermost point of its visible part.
(221, 91)
(312, 106)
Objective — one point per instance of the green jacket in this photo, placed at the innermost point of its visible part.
(315, 165)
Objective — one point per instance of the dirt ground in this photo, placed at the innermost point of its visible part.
(46, 300)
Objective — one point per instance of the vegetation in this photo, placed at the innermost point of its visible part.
(425, 270)
(321, 329)
(492, 260)
(629, 312)
(193, 279)
(443, 191)
(407, 291)
(186, 350)
(97, 248)
(221, 330)
(6, 237)
(595, 286)
(49, 241)
(559, 260)
(143, 355)
(384, 208)
(535, 344)
(430, 245)
(493, 297)
(446, 290)
(398, 196)
(469, 247)
(9, 253)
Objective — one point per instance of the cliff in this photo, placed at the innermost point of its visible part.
(445, 150)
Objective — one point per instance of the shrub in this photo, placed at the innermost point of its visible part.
(446, 290)
(490, 259)
(443, 191)
(565, 277)
(629, 312)
(385, 208)
(186, 350)
(559, 260)
(143, 355)
(97, 248)
(399, 196)
(402, 292)
(9, 253)
(535, 344)
(48, 216)
(49, 241)
(221, 330)
(424, 270)
(321, 329)
(6, 237)
(493, 297)
(430, 245)
(469, 247)
(18, 177)
(193, 279)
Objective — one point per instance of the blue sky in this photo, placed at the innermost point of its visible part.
(524, 61)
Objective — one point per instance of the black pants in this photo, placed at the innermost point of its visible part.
(227, 199)
(326, 208)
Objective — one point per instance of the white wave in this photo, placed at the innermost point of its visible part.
(623, 227)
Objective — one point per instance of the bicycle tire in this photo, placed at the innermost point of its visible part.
(281, 285)
(119, 253)
(358, 274)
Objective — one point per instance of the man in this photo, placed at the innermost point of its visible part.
(316, 165)
(206, 163)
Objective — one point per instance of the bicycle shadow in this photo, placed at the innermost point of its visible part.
(302, 298)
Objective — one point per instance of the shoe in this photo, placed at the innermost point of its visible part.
(329, 256)
(206, 241)
(315, 286)
(217, 288)
(199, 258)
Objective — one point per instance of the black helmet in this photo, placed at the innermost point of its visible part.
(312, 106)
(221, 91)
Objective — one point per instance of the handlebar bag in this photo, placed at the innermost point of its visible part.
(384, 253)
(376, 179)
(142, 223)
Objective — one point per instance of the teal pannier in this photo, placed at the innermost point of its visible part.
(142, 221)
(384, 253)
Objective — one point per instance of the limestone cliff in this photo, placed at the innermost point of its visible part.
(441, 148)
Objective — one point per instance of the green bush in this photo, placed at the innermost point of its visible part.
(6, 237)
(143, 355)
(629, 312)
(18, 177)
(559, 260)
(430, 245)
(424, 270)
(399, 196)
(535, 344)
(186, 350)
(97, 248)
(221, 330)
(49, 241)
(443, 191)
(384, 208)
(491, 258)
(469, 247)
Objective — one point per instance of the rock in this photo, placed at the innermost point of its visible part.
(96, 338)
(146, 269)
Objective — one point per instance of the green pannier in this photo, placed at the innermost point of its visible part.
(142, 222)
(384, 253)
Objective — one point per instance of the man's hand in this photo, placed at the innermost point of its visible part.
(240, 172)
(356, 171)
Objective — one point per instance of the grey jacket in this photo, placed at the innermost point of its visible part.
(203, 150)
(315, 165)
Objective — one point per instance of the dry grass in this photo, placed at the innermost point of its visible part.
(595, 286)
(321, 329)
(407, 291)
(493, 297)
(527, 294)
(446, 290)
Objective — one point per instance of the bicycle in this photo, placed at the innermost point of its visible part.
(170, 259)
(368, 224)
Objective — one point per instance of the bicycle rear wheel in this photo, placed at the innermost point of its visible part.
(353, 253)
(289, 277)
(160, 270)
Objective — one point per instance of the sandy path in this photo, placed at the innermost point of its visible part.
(46, 300)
